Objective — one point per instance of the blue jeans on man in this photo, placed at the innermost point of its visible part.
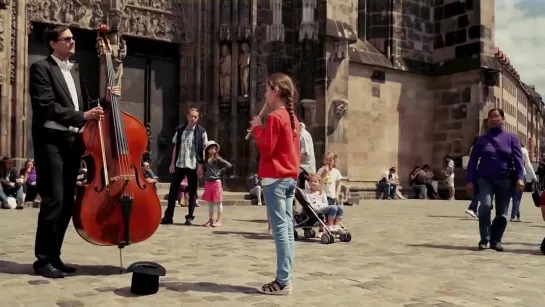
(9, 191)
(502, 190)
(388, 190)
(279, 202)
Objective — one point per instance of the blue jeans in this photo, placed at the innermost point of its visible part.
(387, 189)
(502, 190)
(15, 192)
(517, 197)
(279, 201)
(332, 212)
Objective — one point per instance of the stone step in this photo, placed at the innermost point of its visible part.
(226, 202)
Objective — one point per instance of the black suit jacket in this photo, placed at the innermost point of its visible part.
(50, 97)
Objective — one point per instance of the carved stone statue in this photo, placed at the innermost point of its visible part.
(118, 48)
(244, 64)
(225, 72)
(97, 16)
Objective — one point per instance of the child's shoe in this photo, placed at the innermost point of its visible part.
(216, 224)
(209, 223)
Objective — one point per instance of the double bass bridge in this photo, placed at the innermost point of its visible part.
(122, 177)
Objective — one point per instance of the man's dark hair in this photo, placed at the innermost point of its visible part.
(392, 169)
(52, 35)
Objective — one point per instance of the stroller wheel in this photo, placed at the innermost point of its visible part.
(308, 233)
(295, 235)
(325, 238)
(331, 239)
(345, 237)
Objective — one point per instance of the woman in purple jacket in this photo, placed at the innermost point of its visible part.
(499, 168)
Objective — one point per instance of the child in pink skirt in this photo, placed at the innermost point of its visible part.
(214, 165)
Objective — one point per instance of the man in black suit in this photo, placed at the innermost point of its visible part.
(57, 106)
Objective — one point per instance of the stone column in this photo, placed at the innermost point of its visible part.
(18, 76)
(214, 111)
(275, 31)
(234, 135)
(308, 35)
(5, 50)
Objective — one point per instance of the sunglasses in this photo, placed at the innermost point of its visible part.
(67, 39)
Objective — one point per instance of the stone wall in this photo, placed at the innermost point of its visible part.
(340, 32)
(386, 124)
(412, 35)
(457, 114)
(463, 35)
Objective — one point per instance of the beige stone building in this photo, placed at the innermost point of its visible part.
(522, 105)
(383, 83)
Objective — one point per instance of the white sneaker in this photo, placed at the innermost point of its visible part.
(471, 213)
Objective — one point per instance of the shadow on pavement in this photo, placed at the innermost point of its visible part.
(208, 287)
(245, 234)
(253, 221)
(10, 267)
(535, 251)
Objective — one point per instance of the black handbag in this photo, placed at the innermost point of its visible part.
(536, 194)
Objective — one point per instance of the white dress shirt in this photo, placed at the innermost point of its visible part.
(529, 172)
(65, 67)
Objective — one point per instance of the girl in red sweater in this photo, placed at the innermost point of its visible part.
(278, 144)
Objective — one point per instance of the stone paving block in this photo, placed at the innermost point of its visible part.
(403, 253)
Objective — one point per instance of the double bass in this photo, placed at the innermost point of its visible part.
(116, 206)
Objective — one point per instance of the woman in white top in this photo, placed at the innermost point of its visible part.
(529, 175)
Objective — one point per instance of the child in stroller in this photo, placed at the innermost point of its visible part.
(317, 212)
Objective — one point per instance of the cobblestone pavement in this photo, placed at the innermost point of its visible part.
(403, 253)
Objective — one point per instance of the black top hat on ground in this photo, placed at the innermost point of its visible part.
(145, 277)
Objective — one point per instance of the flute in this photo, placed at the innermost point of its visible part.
(260, 115)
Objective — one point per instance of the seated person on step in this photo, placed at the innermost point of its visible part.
(256, 190)
(149, 176)
(388, 183)
(11, 185)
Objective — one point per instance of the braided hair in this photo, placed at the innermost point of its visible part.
(286, 90)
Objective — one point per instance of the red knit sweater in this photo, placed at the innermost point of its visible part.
(278, 146)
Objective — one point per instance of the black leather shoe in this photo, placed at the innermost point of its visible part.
(48, 271)
(482, 246)
(59, 265)
(497, 247)
(166, 220)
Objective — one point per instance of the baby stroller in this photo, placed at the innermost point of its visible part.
(308, 219)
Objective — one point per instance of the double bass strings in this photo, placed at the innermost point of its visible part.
(119, 126)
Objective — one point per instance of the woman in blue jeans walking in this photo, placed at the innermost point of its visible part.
(500, 167)
(278, 144)
(529, 175)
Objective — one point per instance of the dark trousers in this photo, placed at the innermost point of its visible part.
(58, 157)
(177, 177)
(31, 193)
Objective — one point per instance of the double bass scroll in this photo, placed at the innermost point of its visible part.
(116, 206)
